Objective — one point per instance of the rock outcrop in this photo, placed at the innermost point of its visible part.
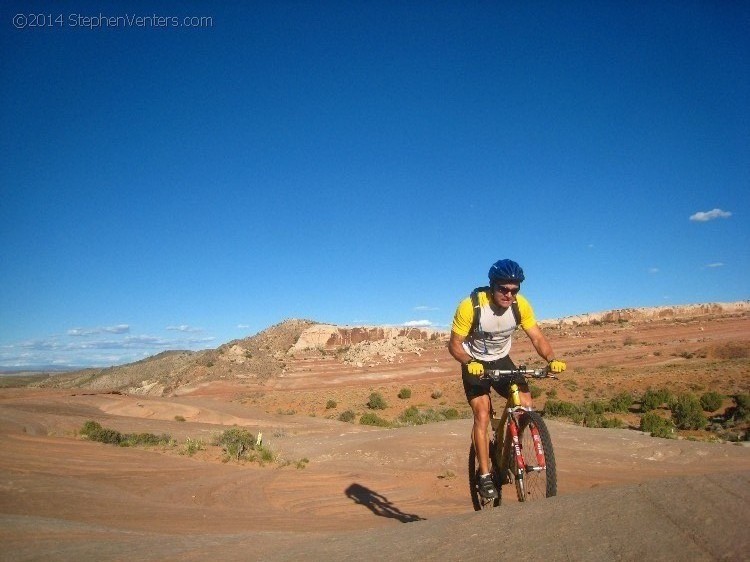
(327, 336)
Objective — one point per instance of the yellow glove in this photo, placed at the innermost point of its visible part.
(556, 366)
(475, 368)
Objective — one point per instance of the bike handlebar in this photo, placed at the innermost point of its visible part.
(496, 374)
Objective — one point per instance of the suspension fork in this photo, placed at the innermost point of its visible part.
(515, 444)
(538, 448)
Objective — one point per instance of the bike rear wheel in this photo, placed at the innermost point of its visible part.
(477, 500)
(537, 482)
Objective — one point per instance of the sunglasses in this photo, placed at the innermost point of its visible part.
(506, 290)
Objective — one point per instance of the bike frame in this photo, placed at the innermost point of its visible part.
(506, 427)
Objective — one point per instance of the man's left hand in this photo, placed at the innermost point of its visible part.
(556, 366)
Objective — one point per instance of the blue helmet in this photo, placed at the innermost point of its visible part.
(505, 271)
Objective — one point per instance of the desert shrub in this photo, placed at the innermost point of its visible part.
(331, 404)
(653, 399)
(404, 393)
(411, 416)
(552, 393)
(561, 409)
(436, 394)
(192, 446)
(629, 340)
(95, 432)
(144, 439)
(591, 419)
(450, 414)
(535, 391)
(347, 416)
(236, 442)
(371, 418)
(740, 412)
(688, 413)
(743, 404)
(179, 418)
(376, 402)
(595, 407)
(711, 401)
(414, 416)
(657, 426)
(621, 402)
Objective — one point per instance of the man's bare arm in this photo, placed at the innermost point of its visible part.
(540, 343)
(456, 348)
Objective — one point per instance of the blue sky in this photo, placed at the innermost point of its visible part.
(175, 187)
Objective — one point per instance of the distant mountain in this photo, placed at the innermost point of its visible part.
(266, 354)
(37, 369)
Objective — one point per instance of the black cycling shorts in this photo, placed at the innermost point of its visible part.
(475, 386)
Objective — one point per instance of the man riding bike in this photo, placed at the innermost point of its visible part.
(481, 338)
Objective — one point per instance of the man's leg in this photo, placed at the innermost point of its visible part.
(480, 405)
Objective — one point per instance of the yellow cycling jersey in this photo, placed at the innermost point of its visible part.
(492, 338)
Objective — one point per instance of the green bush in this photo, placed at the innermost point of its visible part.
(688, 413)
(371, 418)
(404, 393)
(450, 414)
(552, 393)
(653, 399)
(347, 416)
(413, 416)
(236, 442)
(376, 402)
(95, 432)
(711, 401)
(331, 404)
(145, 439)
(561, 409)
(657, 426)
(742, 407)
(595, 407)
(535, 391)
(192, 446)
(591, 419)
(621, 402)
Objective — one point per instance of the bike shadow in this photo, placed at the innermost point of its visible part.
(379, 504)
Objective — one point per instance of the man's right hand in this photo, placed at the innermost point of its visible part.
(475, 368)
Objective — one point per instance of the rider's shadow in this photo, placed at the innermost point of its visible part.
(378, 504)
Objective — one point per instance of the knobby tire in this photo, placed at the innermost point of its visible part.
(536, 484)
(476, 499)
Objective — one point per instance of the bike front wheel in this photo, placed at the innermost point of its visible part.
(477, 500)
(539, 479)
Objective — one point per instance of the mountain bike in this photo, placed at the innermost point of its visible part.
(520, 446)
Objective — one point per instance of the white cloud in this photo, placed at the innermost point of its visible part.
(426, 308)
(653, 270)
(184, 328)
(118, 329)
(81, 332)
(417, 324)
(704, 216)
(715, 264)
